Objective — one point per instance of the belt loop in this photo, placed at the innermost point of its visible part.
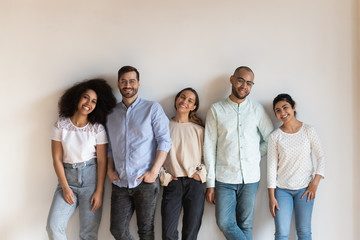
(80, 164)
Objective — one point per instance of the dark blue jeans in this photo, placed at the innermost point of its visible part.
(124, 201)
(184, 193)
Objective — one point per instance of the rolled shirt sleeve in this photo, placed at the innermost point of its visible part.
(160, 124)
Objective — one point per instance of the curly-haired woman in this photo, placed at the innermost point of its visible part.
(78, 145)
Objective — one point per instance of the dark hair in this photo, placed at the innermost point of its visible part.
(106, 100)
(244, 68)
(126, 69)
(192, 116)
(284, 97)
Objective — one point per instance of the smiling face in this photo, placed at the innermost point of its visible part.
(242, 82)
(284, 111)
(128, 85)
(186, 102)
(87, 102)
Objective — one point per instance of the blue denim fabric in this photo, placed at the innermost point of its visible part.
(186, 193)
(287, 201)
(82, 181)
(124, 201)
(235, 201)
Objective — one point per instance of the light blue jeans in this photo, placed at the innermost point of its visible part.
(287, 201)
(235, 201)
(82, 181)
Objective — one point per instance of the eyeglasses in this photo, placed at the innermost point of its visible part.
(125, 82)
(242, 81)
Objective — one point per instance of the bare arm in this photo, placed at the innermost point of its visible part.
(272, 201)
(57, 155)
(210, 195)
(112, 175)
(96, 199)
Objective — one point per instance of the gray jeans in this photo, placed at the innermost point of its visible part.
(124, 201)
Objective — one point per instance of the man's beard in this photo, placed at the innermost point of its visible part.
(130, 94)
(236, 94)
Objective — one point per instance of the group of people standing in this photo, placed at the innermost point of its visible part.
(139, 149)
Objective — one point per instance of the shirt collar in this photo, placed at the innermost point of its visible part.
(236, 105)
(136, 102)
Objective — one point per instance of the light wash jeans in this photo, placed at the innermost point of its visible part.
(235, 201)
(287, 201)
(82, 181)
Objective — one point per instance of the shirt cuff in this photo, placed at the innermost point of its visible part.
(164, 147)
(165, 178)
(210, 183)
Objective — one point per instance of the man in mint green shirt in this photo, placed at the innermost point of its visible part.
(236, 134)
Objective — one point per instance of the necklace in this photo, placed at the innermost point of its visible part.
(79, 123)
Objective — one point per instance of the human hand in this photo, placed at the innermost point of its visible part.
(173, 178)
(210, 195)
(113, 176)
(272, 205)
(311, 191)
(68, 195)
(148, 177)
(196, 177)
(96, 200)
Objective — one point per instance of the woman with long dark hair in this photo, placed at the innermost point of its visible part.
(78, 145)
(184, 171)
(292, 175)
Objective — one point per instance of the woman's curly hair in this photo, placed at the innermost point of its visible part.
(106, 100)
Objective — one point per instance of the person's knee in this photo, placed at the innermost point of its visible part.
(89, 235)
(54, 228)
(282, 232)
(281, 235)
(225, 224)
(50, 228)
(146, 234)
(119, 233)
(303, 233)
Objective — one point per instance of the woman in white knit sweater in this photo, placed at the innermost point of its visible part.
(292, 174)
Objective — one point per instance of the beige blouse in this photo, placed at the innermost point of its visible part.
(185, 156)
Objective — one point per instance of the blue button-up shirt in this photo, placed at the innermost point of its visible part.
(135, 134)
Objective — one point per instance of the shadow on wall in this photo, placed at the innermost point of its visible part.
(220, 88)
(356, 124)
(33, 177)
(167, 104)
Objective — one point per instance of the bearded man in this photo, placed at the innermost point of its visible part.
(236, 134)
(139, 141)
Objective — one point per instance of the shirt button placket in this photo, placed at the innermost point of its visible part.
(240, 143)
(126, 140)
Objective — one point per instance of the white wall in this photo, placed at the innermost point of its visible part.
(306, 48)
(356, 96)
